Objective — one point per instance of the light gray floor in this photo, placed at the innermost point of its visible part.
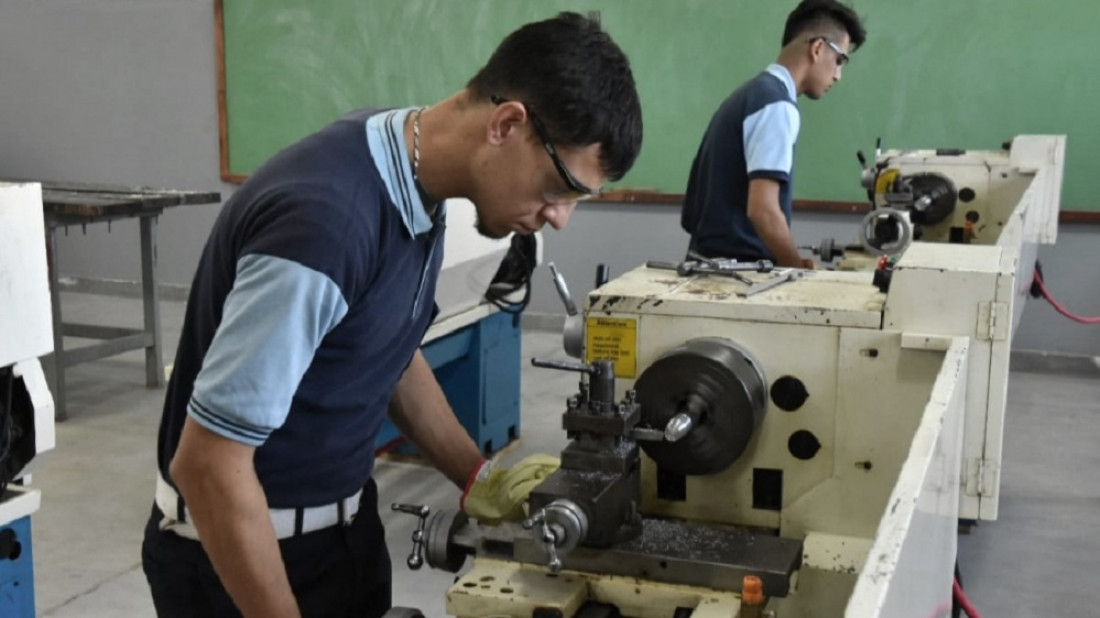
(1041, 558)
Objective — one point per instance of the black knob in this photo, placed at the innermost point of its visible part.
(881, 279)
(10, 547)
(602, 275)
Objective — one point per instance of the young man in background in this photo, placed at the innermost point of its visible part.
(738, 199)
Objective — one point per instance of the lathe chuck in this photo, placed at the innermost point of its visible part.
(720, 387)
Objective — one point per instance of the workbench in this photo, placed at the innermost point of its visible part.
(475, 355)
(70, 204)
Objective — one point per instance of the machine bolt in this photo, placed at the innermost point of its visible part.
(631, 514)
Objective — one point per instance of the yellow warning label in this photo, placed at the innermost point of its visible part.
(613, 338)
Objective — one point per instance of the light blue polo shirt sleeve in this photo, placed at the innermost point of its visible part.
(272, 323)
(769, 137)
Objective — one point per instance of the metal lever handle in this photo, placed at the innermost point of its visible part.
(602, 275)
(600, 388)
(546, 537)
(563, 365)
(416, 558)
(563, 290)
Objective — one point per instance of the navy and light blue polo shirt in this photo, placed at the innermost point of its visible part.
(313, 292)
(752, 135)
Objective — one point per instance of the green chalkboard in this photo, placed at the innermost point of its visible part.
(936, 73)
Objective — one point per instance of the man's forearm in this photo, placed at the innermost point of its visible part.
(228, 508)
(420, 411)
(771, 227)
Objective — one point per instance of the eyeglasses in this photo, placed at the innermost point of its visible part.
(841, 55)
(577, 190)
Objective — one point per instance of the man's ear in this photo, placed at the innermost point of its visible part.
(504, 120)
(817, 48)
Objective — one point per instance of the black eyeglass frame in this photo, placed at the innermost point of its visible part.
(571, 181)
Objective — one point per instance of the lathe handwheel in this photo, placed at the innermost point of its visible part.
(438, 547)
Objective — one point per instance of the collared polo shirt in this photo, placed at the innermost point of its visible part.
(313, 292)
(751, 135)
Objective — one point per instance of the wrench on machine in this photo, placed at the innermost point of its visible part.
(700, 265)
(781, 277)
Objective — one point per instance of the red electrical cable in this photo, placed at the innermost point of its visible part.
(1059, 307)
(964, 603)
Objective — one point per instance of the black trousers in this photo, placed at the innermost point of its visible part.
(342, 571)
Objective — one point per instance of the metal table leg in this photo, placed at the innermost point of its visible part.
(54, 363)
(154, 361)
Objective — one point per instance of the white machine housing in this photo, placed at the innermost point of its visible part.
(1017, 198)
(26, 325)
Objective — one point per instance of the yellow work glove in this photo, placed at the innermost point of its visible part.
(497, 493)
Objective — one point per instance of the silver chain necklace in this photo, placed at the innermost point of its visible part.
(416, 143)
(416, 160)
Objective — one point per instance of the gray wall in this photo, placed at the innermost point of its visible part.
(114, 91)
(123, 91)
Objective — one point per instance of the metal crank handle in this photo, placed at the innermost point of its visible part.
(416, 558)
(546, 536)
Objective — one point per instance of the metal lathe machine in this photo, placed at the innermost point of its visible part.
(823, 431)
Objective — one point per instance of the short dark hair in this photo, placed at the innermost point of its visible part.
(578, 81)
(811, 15)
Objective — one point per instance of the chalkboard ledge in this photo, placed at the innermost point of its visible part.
(646, 196)
(649, 196)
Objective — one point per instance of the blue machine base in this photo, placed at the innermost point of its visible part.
(16, 570)
(478, 367)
